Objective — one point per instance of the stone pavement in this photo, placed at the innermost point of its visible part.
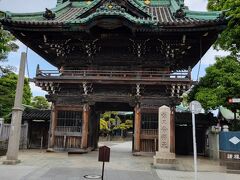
(184, 175)
(39, 165)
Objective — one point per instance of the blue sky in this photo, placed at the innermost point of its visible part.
(34, 59)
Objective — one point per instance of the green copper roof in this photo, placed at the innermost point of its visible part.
(228, 114)
(151, 12)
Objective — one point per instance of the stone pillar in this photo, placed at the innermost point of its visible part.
(164, 154)
(213, 140)
(52, 127)
(85, 122)
(137, 128)
(1, 125)
(14, 137)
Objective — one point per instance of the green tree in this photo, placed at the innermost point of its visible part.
(104, 130)
(7, 45)
(220, 82)
(8, 83)
(108, 121)
(40, 102)
(230, 38)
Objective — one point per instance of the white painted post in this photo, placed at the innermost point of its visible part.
(15, 130)
(194, 145)
(195, 108)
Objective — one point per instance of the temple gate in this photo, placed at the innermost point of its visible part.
(128, 55)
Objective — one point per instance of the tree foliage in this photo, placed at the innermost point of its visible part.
(40, 102)
(230, 38)
(7, 45)
(125, 126)
(8, 83)
(110, 122)
(222, 80)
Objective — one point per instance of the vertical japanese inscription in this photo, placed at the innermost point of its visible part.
(164, 129)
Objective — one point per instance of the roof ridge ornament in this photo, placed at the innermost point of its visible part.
(110, 5)
(49, 15)
(180, 13)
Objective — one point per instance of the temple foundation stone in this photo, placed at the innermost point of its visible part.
(164, 155)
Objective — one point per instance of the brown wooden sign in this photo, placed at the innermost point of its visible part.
(104, 154)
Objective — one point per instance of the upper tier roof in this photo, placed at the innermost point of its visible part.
(157, 13)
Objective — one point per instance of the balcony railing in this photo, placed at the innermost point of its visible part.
(106, 74)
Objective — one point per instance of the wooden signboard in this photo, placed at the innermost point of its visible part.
(104, 154)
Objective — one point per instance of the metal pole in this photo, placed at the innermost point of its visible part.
(235, 118)
(103, 169)
(194, 144)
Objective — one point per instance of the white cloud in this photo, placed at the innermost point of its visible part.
(37, 91)
(26, 5)
(196, 5)
(210, 56)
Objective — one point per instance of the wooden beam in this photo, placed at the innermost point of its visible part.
(53, 126)
(85, 122)
(137, 128)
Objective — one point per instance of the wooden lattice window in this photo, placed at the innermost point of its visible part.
(69, 121)
(149, 121)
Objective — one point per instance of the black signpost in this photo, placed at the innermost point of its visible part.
(104, 156)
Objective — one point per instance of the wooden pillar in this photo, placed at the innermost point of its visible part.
(85, 121)
(172, 130)
(53, 126)
(137, 128)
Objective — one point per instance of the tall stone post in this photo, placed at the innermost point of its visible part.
(137, 128)
(164, 154)
(85, 122)
(14, 137)
(52, 128)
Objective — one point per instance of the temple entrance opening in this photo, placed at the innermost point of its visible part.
(117, 127)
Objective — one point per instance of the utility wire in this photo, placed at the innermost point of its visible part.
(200, 62)
(27, 63)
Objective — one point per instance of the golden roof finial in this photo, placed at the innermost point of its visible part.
(147, 2)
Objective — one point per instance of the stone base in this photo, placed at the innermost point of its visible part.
(11, 162)
(50, 150)
(164, 158)
(233, 171)
(136, 154)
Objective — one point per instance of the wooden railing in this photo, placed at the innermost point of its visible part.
(149, 133)
(68, 131)
(115, 74)
(149, 140)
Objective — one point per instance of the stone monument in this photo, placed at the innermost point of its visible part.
(164, 154)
